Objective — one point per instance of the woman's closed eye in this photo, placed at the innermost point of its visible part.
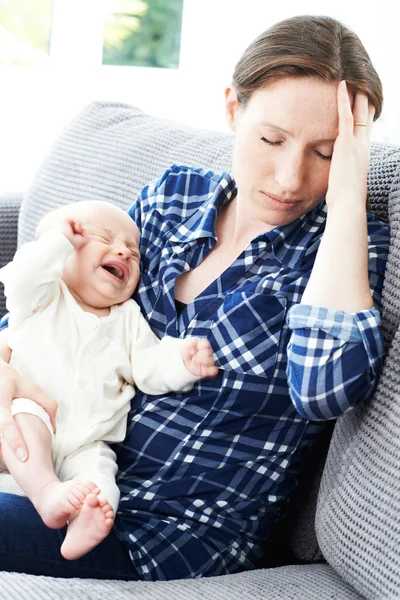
(270, 142)
(278, 143)
(323, 156)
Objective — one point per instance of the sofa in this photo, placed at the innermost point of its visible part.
(341, 537)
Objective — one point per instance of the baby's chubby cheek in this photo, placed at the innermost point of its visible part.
(68, 272)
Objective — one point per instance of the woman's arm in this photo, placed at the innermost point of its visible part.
(13, 385)
(339, 277)
(334, 359)
(335, 351)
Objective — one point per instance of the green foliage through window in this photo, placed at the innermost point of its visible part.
(143, 33)
(25, 27)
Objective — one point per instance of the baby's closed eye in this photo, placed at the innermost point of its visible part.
(99, 234)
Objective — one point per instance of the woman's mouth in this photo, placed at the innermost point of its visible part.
(279, 204)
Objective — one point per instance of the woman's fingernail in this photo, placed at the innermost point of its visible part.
(21, 454)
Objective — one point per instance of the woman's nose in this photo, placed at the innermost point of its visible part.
(290, 173)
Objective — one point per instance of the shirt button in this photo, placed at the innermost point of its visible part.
(82, 383)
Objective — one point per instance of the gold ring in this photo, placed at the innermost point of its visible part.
(360, 124)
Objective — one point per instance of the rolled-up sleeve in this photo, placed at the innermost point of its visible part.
(334, 359)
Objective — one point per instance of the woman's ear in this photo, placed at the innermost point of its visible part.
(231, 106)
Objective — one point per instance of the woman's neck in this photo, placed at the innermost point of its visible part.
(236, 227)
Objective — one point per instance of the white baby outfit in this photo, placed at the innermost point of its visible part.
(90, 365)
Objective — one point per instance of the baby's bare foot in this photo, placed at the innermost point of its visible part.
(90, 527)
(60, 501)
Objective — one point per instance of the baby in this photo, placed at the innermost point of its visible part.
(74, 330)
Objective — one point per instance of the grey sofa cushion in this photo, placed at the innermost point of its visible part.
(9, 209)
(384, 163)
(308, 582)
(382, 182)
(109, 152)
(358, 515)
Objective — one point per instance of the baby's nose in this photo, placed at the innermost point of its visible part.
(122, 250)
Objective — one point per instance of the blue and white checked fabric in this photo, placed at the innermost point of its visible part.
(204, 475)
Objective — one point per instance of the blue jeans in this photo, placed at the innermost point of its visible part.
(28, 546)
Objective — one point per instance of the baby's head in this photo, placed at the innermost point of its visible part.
(104, 270)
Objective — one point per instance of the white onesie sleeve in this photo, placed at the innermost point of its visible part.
(157, 365)
(32, 279)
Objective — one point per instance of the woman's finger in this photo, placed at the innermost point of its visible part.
(362, 115)
(9, 431)
(11, 434)
(371, 114)
(344, 110)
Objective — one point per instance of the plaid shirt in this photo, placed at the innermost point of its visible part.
(204, 475)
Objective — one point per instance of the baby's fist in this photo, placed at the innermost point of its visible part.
(74, 232)
(198, 358)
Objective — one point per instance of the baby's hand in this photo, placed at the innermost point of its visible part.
(198, 357)
(74, 232)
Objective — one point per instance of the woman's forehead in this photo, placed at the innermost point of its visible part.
(294, 103)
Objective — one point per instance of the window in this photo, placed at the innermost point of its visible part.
(143, 33)
(25, 28)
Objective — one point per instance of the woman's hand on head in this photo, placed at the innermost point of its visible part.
(350, 159)
(13, 385)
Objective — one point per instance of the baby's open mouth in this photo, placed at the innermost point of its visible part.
(115, 270)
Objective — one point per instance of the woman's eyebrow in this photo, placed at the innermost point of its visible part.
(266, 124)
(272, 126)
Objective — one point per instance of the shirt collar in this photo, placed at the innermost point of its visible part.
(290, 242)
(201, 224)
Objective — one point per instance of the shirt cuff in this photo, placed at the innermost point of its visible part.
(345, 326)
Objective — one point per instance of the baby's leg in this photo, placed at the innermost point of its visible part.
(56, 502)
(94, 521)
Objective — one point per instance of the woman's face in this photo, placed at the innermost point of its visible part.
(284, 140)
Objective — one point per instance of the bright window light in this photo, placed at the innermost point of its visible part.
(25, 28)
(142, 34)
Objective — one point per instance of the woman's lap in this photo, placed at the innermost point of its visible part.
(28, 546)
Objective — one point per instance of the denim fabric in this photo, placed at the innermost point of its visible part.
(28, 546)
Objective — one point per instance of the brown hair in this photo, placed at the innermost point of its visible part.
(308, 46)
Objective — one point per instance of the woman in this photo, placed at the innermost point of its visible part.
(281, 268)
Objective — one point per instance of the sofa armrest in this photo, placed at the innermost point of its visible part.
(9, 211)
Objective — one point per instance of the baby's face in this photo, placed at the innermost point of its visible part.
(106, 270)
